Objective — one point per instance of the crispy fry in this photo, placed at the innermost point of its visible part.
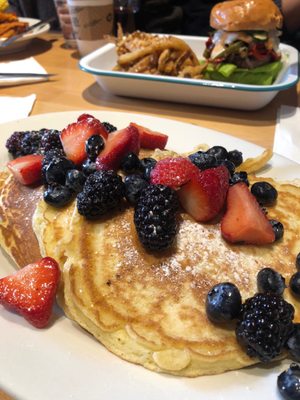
(251, 165)
(10, 25)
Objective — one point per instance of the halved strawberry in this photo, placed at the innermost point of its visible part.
(31, 291)
(74, 136)
(173, 172)
(244, 220)
(150, 139)
(203, 197)
(27, 169)
(118, 144)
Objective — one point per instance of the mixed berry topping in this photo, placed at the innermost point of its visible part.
(109, 127)
(278, 229)
(293, 343)
(155, 217)
(264, 325)
(295, 284)
(134, 184)
(264, 192)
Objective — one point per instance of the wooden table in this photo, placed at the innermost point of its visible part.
(73, 89)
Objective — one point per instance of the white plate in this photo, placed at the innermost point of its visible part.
(64, 362)
(24, 41)
(195, 91)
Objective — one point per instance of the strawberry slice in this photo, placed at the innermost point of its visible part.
(150, 139)
(118, 144)
(203, 197)
(27, 169)
(244, 220)
(74, 136)
(173, 172)
(31, 291)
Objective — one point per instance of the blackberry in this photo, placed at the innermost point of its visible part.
(264, 326)
(264, 192)
(109, 127)
(270, 281)
(236, 157)
(50, 139)
(203, 160)
(155, 217)
(278, 228)
(31, 142)
(237, 177)
(223, 302)
(288, 383)
(102, 192)
(14, 144)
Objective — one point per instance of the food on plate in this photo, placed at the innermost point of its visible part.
(156, 249)
(10, 25)
(244, 47)
(159, 55)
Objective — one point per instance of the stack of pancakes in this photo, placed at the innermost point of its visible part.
(147, 308)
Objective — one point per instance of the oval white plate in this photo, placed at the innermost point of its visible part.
(65, 362)
(24, 41)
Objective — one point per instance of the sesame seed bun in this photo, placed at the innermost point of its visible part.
(237, 15)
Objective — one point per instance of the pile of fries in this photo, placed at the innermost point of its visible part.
(10, 25)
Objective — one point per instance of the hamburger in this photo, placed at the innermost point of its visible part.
(244, 46)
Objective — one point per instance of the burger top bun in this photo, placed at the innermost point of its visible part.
(239, 15)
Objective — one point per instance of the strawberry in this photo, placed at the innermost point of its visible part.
(118, 144)
(74, 136)
(27, 169)
(203, 197)
(173, 172)
(31, 291)
(150, 139)
(244, 220)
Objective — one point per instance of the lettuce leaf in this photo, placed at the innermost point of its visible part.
(263, 75)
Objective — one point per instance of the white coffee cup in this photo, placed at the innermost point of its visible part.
(92, 22)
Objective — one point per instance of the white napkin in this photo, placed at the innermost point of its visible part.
(27, 65)
(13, 108)
(287, 133)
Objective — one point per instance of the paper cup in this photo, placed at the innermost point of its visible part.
(92, 21)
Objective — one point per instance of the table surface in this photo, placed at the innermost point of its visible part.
(73, 89)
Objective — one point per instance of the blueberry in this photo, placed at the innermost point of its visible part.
(237, 177)
(130, 163)
(298, 262)
(56, 170)
(134, 184)
(58, 195)
(288, 383)
(278, 228)
(264, 192)
(75, 180)
(223, 302)
(295, 284)
(270, 281)
(88, 167)
(146, 165)
(93, 146)
(236, 157)
(219, 152)
(203, 160)
(229, 165)
(293, 343)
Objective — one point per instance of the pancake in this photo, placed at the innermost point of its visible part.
(149, 309)
(17, 205)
